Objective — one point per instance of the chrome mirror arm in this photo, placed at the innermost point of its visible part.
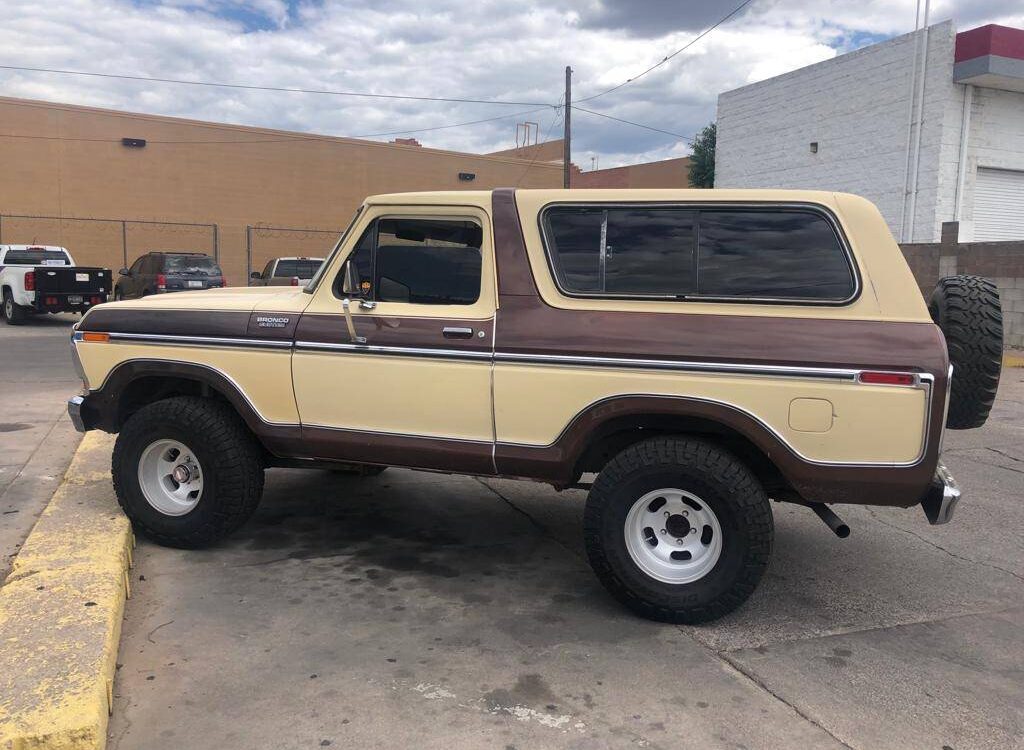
(346, 306)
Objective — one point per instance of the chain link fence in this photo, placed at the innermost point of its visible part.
(264, 243)
(109, 242)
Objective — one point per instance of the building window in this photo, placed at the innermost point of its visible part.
(691, 253)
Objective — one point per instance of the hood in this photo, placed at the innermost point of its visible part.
(219, 313)
(248, 298)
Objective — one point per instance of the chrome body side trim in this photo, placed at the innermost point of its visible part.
(923, 381)
(166, 338)
(395, 351)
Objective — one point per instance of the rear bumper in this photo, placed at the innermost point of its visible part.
(942, 497)
(47, 302)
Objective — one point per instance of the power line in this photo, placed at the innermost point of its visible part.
(635, 124)
(251, 87)
(556, 117)
(665, 59)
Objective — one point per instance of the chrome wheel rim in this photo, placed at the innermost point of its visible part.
(673, 536)
(170, 477)
(9, 308)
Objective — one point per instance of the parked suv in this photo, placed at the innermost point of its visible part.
(159, 272)
(699, 351)
(286, 272)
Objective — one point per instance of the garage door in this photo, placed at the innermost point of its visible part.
(999, 205)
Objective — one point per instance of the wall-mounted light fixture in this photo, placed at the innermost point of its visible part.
(814, 147)
(133, 142)
(467, 176)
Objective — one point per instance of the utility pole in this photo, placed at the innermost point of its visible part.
(567, 138)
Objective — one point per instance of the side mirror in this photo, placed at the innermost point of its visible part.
(352, 280)
(255, 275)
(123, 272)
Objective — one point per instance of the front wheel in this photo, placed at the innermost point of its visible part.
(678, 529)
(187, 471)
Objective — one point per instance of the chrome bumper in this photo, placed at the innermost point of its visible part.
(942, 497)
(75, 412)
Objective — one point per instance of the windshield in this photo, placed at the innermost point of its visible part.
(303, 268)
(37, 256)
(202, 265)
(311, 286)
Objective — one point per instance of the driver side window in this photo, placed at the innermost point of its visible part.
(419, 261)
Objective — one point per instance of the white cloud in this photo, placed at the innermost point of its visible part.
(453, 48)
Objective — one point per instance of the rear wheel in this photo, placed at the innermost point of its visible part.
(678, 530)
(968, 311)
(187, 472)
(14, 313)
(117, 295)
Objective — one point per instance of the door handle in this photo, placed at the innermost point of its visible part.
(451, 332)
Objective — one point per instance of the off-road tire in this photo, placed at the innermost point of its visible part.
(719, 479)
(118, 295)
(228, 453)
(14, 313)
(967, 310)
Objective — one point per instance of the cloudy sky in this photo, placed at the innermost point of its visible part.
(509, 50)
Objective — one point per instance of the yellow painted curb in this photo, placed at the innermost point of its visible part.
(1013, 359)
(60, 613)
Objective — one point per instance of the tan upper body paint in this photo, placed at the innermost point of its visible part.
(487, 400)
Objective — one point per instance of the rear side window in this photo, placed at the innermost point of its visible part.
(420, 261)
(302, 268)
(692, 253)
(772, 254)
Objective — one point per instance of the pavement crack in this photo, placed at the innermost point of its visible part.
(795, 709)
(533, 521)
(939, 547)
(149, 635)
(1005, 454)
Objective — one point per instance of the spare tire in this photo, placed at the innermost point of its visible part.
(967, 310)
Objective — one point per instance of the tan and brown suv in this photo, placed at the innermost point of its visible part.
(699, 351)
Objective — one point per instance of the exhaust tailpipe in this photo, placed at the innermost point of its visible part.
(834, 522)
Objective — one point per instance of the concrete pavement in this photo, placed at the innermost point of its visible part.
(36, 437)
(414, 609)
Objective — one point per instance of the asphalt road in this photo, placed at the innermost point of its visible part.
(416, 609)
(36, 437)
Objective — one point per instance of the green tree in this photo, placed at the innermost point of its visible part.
(702, 168)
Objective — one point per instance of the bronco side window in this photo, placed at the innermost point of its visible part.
(689, 252)
(421, 261)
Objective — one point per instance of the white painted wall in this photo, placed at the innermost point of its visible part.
(855, 107)
(996, 139)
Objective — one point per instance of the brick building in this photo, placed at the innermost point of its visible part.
(929, 126)
(246, 194)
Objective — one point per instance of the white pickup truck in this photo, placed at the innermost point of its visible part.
(44, 279)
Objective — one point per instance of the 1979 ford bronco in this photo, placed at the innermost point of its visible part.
(700, 351)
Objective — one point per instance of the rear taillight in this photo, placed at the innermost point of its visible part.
(161, 281)
(95, 300)
(30, 281)
(295, 280)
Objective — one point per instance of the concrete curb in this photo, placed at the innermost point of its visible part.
(1013, 358)
(60, 613)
